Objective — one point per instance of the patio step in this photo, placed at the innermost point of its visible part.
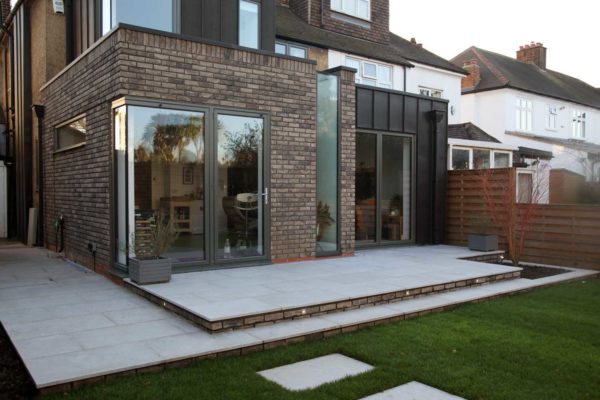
(302, 310)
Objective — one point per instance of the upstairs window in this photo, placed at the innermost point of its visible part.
(290, 49)
(162, 15)
(524, 115)
(249, 24)
(578, 124)
(70, 134)
(356, 8)
(371, 73)
(425, 91)
(551, 118)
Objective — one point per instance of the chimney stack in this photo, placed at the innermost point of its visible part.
(472, 80)
(533, 53)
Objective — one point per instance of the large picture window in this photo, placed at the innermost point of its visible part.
(162, 15)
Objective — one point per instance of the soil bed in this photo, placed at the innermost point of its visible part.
(15, 382)
(537, 271)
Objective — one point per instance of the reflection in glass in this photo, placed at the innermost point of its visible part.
(327, 163)
(239, 187)
(460, 159)
(153, 14)
(248, 36)
(168, 169)
(395, 188)
(481, 159)
(366, 187)
(501, 160)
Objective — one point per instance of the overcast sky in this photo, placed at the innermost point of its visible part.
(568, 29)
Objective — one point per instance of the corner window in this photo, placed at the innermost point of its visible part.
(551, 118)
(71, 134)
(162, 15)
(470, 158)
(425, 91)
(249, 23)
(371, 73)
(355, 8)
(524, 115)
(290, 49)
(578, 124)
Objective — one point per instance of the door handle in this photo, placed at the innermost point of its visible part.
(265, 195)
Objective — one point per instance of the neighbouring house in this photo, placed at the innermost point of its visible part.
(550, 117)
(266, 130)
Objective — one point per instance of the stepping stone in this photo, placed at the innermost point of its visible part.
(310, 374)
(413, 391)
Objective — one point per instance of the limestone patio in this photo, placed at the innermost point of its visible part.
(71, 326)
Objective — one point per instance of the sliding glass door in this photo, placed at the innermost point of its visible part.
(384, 194)
(202, 172)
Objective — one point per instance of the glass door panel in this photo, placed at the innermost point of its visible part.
(169, 164)
(395, 188)
(239, 187)
(366, 187)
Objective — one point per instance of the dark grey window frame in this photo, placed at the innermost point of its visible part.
(413, 176)
(287, 48)
(62, 125)
(210, 172)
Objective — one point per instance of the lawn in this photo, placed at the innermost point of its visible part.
(540, 345)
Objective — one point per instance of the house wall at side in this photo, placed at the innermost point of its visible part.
(419, 76)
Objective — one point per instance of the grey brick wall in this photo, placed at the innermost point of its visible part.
(153, 66)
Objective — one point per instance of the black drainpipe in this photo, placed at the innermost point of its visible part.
(322, 13)
(39, 113)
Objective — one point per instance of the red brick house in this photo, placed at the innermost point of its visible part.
(231, 117)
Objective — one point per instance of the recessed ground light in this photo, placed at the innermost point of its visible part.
(164, 303)
(303, 311)
(476, 280)
(407, 292)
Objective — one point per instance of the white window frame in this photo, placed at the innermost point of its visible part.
(578, 125)
(471, 149)
(289, 45)
(364, 79)
(431, 92)
(351, 7)
(524, 114)
(551, 117)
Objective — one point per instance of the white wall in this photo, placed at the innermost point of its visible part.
(420, 75)
(495, 112)
(3, 201)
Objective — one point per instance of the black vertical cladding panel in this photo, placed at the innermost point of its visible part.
(364, 108)
(76, 28)
(211, 23)
(230, 14)
(441, 143)
(91, 21)
(381, 110)
(191, 17)
(267, 25)
(424, 185)
(83, 18)
(410, 114)
(396, 113)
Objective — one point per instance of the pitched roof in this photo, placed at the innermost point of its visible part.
(398, 51)
(469, 131)
(416, 53)
(574, 144)
(499, 71)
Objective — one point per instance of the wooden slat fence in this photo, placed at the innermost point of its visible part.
(561, 234)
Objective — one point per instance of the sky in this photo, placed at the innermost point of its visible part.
(568, 29)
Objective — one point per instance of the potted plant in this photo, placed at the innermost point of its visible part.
(151, 242)
(324, 219)
(481, 239)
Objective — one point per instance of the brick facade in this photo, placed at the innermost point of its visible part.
(376, 30)
(164, 67)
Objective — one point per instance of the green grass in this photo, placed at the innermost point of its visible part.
(540, 345)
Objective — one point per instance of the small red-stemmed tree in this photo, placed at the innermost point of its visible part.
(513, 213)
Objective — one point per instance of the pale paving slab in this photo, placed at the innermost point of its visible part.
(313, 373)
(413, 391)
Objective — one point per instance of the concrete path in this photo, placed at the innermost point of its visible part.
(413, 391)
(70, 324)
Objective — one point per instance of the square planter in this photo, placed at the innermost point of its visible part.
(144, 272)
(483, 242)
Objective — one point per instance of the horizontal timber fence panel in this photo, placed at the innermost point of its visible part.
(560, 234)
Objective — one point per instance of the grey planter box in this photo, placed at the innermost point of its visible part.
(144, 272)
(483, 242)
